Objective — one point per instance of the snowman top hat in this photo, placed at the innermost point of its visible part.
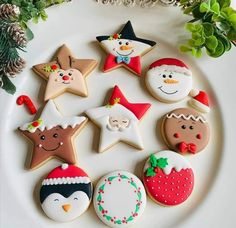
(126, 33)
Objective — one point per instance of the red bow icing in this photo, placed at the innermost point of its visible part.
(187, 147)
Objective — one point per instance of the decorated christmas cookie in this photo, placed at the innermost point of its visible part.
(52, 135)
(199, 101)
(125, 49)
(65, 193)
(118, 121)
(119, 199)
(185, 131)
(168, 178)
(65, 73)
(169, 80)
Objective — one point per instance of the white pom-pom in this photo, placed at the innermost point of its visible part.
(194, 92)
(64, 166)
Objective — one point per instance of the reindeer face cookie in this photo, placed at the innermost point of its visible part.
(185, 130)
(65, 73)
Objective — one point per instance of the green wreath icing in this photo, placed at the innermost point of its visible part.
(100, 201)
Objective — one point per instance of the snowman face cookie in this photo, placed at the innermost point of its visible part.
(125, 47)
(185, 131)
(169, 83)
(65, 193)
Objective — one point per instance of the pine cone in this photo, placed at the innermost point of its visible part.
(17, 34)
(8, 10)
(14, 67)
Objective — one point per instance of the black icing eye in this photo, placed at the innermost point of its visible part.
(56, 199)
(170, 76)
(75, 198)
(61, 74)
(124, 121)
(55, 135)
(70, 74)
(183, 126)
(164, 76)
(127, 43)
(191, 127)
(114, 121)
(120, 43)
(43, 137)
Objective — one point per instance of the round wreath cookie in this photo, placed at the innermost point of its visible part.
(65, 193)
(168, 178)
(185, 131)
(169, 80)
(119, 199)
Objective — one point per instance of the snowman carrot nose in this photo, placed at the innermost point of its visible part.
(171, 81)
(125, 47)
(66, 207)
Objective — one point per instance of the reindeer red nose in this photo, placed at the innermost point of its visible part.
(65, 77)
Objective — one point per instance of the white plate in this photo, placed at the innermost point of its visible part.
(77, 24)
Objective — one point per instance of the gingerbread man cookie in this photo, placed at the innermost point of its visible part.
(185, 130)
(125, 49)
(169, 80)
(52, 135)
(66, 193)
(168, 178)
(119, 199)
(65, 73)
(118, 121)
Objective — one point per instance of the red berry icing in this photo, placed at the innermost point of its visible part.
(176, 135)
(54, 67)
(35, 124)
(171, 189)
(116, 36)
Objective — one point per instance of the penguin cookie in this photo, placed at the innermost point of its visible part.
(185, 130)
(125, 49)
(66, 193)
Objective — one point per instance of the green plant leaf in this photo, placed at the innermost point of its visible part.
(211, 43)
(184, 48)
(226, 42)
(198, 53)
(231, 34)
(224, 26)
(190, 27)
(29, 33)
(208, 29)
(224, 3)
(215, 7)
(219, 50)
(8, 86)
(204, 7)
(200, 41)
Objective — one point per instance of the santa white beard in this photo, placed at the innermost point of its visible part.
(111, 135)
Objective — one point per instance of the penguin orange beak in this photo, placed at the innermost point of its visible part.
(171, 81)
(125, 47)
(66, 207)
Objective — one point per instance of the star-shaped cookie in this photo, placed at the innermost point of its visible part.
(65, 73)
(125, 49)
(118, 121)
(52, 135)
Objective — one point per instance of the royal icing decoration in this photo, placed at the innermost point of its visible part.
(125, 49)
(119, 199)
(199, 101)
(52, 135)
(23, 99)
(118, 121)
(185, 131)
(169, 80)
(65, 193)
(65, 73)
(168, 178)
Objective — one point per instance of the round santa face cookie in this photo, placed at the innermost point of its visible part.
(65, 193)
(119, 199)
(168, 178)
(185, 130)
(169, 80)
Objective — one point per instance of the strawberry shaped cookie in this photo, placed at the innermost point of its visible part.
(168, 178)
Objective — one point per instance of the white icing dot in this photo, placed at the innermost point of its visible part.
(169, 196)
(191, 182)
(152, 187)
(156, 195)
(175, 201)
(64, 166)
(40, 145)
(172, 183)
(173, 177)
(163, 195)
(178, 181)
(177, 194)
(166, 177)
(184, 191)
(166, 190)
(172, 189)
(185, 185)
(147, 180)
(153, 181)
(187, 171)
(159, 187)
(182, 199)
(159, 176)
(61, 143)
(159, 181)
(186, 178)
(181, 174)
(165, 201)
(166, 183)
(177, 187)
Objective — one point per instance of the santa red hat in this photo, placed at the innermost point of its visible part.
(171, 64)
(66, 174)
(199, 100)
